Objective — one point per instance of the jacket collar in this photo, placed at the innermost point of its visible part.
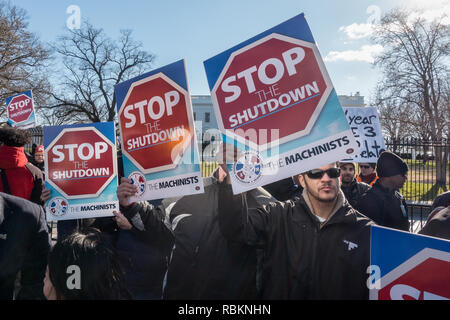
(339, 214)
(352, 184)
(378, 185)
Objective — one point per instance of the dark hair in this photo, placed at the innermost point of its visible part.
(13, 137)
(100, 270)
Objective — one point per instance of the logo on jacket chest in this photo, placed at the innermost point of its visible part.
(3, 236)
(350, 245)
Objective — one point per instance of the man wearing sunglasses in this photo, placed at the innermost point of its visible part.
(316, 246)
(367, 174)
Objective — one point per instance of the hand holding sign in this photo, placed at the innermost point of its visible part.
(126, 190)
(122, 221)
(227, 154)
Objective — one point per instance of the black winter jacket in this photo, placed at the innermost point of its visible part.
(24, 246)
(144, 250)
(384, 207)
(354, 192)
(205, 265)
(303, 260)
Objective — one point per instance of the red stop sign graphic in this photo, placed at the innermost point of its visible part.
(424, 277)
(81, 162)
(20, 108)
(156, 123)
(276, 83)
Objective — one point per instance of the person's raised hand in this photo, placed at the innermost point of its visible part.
(228, 153)
(122, 221)
(126, 190)
(45, 195)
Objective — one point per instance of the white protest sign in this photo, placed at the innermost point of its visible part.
(366, 128)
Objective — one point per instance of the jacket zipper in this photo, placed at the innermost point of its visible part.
(313, 263)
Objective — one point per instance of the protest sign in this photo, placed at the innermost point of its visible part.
(159, 147)
(274, 100)
(81, 171)
(406, 266)
(20, 110)
(366, 128)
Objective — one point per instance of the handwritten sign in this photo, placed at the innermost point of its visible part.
(366, 128)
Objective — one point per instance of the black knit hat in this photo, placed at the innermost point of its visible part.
(389, 164)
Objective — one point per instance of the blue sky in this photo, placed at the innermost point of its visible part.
(196, 30)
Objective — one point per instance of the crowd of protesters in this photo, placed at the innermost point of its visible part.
(306, 237)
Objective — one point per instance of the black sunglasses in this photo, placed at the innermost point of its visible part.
(364, 166)
(318, 174)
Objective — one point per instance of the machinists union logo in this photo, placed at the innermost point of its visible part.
(58, 206)
(248, 167)
(138, 179)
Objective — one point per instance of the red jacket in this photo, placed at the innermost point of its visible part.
(24, 180)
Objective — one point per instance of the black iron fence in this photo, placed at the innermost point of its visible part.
(429, 167)
(428, 174)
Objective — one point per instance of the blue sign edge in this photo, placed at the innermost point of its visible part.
(390, 247)
(28, 93)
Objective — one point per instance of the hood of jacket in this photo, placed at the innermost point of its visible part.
(12, 157)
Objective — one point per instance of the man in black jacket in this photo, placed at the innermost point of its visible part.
(205, 265)
(143, 244)
(353, 190)
(316, 247)
(383, 203)
(24, 246)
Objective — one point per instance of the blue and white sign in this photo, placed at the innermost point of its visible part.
(406, 266)
(81, 171)
(365, 125)
(158, 139)
(20, 110)
(274, 100)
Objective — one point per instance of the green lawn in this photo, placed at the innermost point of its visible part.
(419, 163)
(421, 191)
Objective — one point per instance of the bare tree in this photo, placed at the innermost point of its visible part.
(93, 65)
(415, 71)
(23, 57)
